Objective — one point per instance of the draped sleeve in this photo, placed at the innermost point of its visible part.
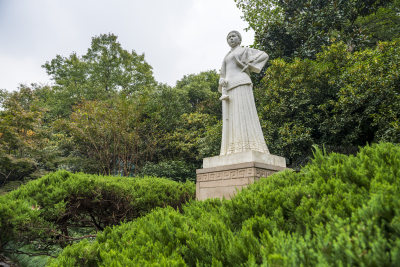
(254, 59)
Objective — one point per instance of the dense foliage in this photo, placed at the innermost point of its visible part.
(106, 114)
(23, 137)
(62, 207)
(341, 99)
(300, 28)
(337, 211)
(176, 170)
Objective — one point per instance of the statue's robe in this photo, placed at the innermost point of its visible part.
(241, 129)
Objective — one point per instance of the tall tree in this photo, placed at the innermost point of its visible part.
(199, 93)
(110, 137)
(21, 135)
(112, 68)
(202, 92)
(103, 71)
(300, 28)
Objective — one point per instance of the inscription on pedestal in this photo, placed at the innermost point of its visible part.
(225, 181)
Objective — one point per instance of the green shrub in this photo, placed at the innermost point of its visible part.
(176, 170)
(62, 207)
(337, 211)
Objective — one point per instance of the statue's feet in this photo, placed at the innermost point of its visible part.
(224, 97)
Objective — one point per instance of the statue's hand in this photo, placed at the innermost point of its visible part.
(223, 82)
(224, 95)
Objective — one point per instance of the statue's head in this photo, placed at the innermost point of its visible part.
(234, 38)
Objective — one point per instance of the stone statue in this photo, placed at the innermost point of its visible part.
(241, 129)
(244, 156)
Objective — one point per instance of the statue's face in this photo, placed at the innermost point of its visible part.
(233, 39)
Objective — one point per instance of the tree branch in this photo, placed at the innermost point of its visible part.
(98, 226)
(6, 177)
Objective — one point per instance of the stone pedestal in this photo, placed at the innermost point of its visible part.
(222, 176)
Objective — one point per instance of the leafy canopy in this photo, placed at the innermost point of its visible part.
(341, 99)
(103, 71)
(300, 28)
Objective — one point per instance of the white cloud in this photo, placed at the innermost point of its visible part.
(21, 70)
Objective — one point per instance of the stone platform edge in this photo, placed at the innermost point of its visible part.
(244, 157)
(241, 166)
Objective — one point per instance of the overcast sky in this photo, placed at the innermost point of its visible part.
(178, 37)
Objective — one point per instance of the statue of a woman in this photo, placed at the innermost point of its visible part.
(241, 129)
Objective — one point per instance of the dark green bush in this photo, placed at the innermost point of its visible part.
(176, 170)
(15, 169)
(341, 100)
(337, 211)
(62, 207)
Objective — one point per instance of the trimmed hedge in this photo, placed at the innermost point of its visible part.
(61, 207)
(337, 211)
